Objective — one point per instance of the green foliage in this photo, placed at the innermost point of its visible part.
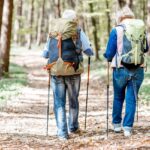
(11, 84)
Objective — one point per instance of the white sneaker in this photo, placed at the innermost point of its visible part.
(117, 128)
(127, 131)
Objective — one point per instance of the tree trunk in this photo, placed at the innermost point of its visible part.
(6, 34)
(94, 33)
(30, 24)
(130, 4)
(144, 10)
(71, 4)
(1, 13)
(18, 23)
(41, 25)
(121, 3)
(108, 17)
(57, 9)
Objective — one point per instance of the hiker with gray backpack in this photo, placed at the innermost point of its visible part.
(125, 50)
(64, 49)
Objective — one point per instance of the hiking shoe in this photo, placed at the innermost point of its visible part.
(117, 128)
(75, 131)
(63, 138)
(127, 131)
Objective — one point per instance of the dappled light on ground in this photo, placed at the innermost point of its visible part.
(23, 118)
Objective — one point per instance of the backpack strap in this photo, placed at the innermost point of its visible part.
(59, 44)
(120, 34)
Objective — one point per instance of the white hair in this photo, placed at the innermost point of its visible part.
(69, 14)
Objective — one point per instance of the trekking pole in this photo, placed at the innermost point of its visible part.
(48, 101)
(137, 99)
(87, 92)
(107, 95)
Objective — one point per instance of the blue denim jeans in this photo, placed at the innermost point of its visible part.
(61, 85)
(126, 85)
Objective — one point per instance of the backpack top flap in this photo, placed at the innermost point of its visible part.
(134, 28)
(65, 27)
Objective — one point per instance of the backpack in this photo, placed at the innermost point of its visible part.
(134, 43)
(65, 55)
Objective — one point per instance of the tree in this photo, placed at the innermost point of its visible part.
(18, 23)
(1, 13)
(41, 24)
(121, 3)
(57, 9)
(130, 3)
(144, 5)
(6, 34)
(71, 3)
(108, 17)
(30, 24)
(94, 32)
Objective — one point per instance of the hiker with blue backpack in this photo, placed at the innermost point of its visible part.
(64, 49)
(125, 50)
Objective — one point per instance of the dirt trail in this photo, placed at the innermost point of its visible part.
(23, 118)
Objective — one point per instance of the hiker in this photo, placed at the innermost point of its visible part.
(67, 79)
(128, 69)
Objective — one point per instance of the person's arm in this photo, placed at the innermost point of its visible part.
(45, 52)
(86, 46)
(111, 46)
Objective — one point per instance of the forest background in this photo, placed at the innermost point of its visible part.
(24, 26)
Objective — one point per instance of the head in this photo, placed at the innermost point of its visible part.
(69, 14)
(124, 13)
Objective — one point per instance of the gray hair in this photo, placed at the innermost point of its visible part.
(69, 14)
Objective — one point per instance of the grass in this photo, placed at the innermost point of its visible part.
(11, 83)
(144, 93)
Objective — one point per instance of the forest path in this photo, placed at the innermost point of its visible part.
(23, 118)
